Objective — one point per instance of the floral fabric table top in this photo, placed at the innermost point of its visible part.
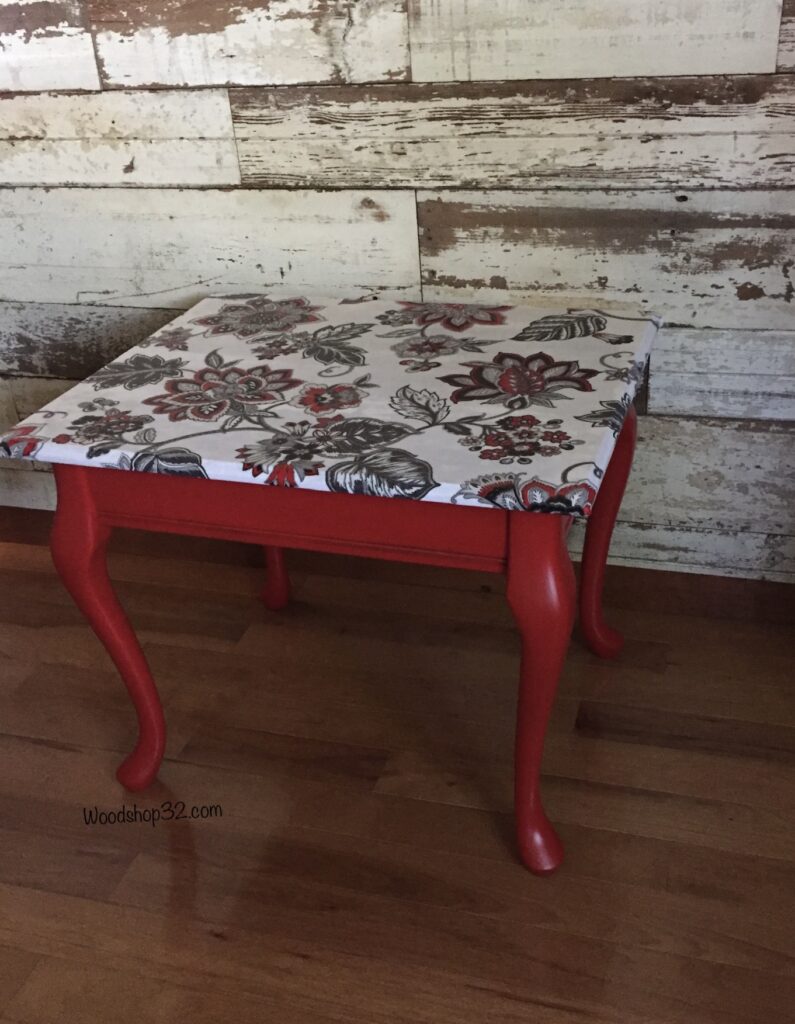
(484, 405)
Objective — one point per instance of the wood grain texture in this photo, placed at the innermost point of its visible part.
(133, 139)
(680, 133)
(26, 490)
(709, 495)
(277, 42)
(735, 554)
(497, 39)
(48, 339)
(725, 474)
(169, 248)
(700, 259)
(45, 44)
(329, 897)
(735, 374)
(786, 40)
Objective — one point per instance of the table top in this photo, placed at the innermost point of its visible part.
(497, 406)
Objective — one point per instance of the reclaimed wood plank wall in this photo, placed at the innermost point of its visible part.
(603, 150)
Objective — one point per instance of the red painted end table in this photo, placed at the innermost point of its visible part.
(447, 434)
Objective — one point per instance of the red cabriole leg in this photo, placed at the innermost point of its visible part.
(78, 542)
(541, 593)
(276, 592)
(601, 639)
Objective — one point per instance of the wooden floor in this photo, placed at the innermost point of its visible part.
(359, 745)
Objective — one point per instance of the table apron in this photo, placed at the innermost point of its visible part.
(397, 529)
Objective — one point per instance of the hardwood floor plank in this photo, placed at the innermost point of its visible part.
(16, 966)
(711, 927)
(440, 923)
(296, 975)
(688, 731)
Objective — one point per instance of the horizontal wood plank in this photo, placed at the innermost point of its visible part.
(45, 44)
(713, 474)
(135, 138)
(786, 39)
(495, 39)
(169, 248)
(26, 490)
(714, 552)
(736, 374)
(699, 259)
(607, 133)
(48, 339)
(277, 42)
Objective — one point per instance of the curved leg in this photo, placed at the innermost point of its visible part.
(541, 593)
(601, 639)
(276, 592)
(78, 543)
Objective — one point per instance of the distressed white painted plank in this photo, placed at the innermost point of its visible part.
(168, 248)
(734, 475)
(135, 138)
(30, 394)
(278, 42)
(710, 552)
(624, 133)
(740, 374)
(8, 409)
(709, 259)
(478, 40)
(786, 40)
(44, 44)
(47, 339)
(26, 490)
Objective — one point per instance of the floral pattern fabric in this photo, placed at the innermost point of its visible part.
(493, 406)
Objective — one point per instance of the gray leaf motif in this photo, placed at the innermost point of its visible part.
(392, 473)
(137, 371)
(167, 461)
(330, 345)
(359, 434)
(420, 405)
(562, 327)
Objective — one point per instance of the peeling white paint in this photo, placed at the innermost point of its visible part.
(479, 40)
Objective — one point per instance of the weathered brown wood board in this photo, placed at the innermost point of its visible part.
(483, 40)
(132, 139)
(701, 259)
(45, 44)
(786, 39)
(181, 42)
(46, 339)
(634, 133)
(168, 248)
(735, 374)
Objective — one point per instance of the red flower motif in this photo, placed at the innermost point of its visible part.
(519, 381)
(508, 491)
(258, 314)
(321, 399)
(456, 316)
(282, 475)
(519, 438)
(23, 439)
(212, 393)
